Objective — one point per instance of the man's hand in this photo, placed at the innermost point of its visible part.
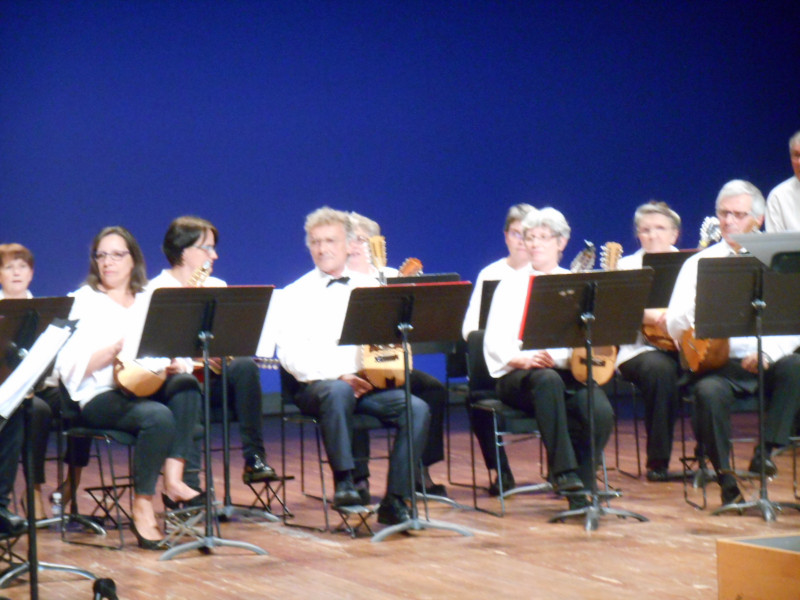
(360, 386)
(750, 363)
(541, 359)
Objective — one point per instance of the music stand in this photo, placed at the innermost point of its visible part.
(407, 314)
(487, 293)
(756, 303)
(584, 309)
(22, 322)
(212, 322)
(666, 265)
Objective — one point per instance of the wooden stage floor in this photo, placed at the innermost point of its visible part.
(673, 555)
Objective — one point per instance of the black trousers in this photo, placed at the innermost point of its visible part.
(244, 394)
(164, 426)
(715, 392)
(561, 407)
(333, 403)
(655, 373)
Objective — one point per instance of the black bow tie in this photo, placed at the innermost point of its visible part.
(333, 280)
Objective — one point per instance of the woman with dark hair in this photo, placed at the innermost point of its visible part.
(111, 309)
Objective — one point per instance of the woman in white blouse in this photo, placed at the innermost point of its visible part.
(111, 308)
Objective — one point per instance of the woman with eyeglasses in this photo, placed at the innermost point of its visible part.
(111, 308)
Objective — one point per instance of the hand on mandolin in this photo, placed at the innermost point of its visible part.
(750, 363)
(360, 386)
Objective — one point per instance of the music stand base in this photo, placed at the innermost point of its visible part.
(23, 568)
(443, 499)
(766, 507)
(208, 543)
(594, 511)
(417, 525)
(230, 511)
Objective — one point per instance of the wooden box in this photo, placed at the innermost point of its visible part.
(759, 568)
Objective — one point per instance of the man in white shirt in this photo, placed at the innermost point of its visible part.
(740, 209)
(328, 385)
(539, 381)
(783, 202)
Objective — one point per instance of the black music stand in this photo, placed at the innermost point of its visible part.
(487, 293)
(584, 309)
(407, 314)
(21, 324)
(739, 297)
(212, 322)
(666, 266)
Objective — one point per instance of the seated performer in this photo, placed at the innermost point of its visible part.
(783, 202)
(423, 385)
(111, 308)
(16, 274)
(653, 370)
(740, 208)
(312, 314)
(538, 381)
(518, 258)
(190, 245)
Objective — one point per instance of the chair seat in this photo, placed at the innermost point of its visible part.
(509, 419)
(121, 437)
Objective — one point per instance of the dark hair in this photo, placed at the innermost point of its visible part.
(9, 252)
(184, 232)
(139, 273)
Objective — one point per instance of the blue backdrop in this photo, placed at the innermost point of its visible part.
(430, 117)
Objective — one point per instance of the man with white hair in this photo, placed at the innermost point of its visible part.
(783, 202)
(740, 209)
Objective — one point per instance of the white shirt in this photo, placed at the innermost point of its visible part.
(628, 351)
(783, 206)
(493, 272)
(28, 295)
(309, 324)
(102, 322)
(680, 313)
(502, 342)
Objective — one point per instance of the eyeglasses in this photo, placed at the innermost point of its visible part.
(737, 214)
(115, 256)
(517, 235)
(207, 248)
(656, 229)
(540, 238)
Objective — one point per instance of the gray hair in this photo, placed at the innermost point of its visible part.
(370, 227)
(656, 207)
(794, 140)
(547, 217)
(516, 213)
(737, 187)
(328, 216)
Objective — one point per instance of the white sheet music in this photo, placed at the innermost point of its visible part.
(27, 373)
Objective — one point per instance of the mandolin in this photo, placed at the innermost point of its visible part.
(604, 358)
(383, 365)
(659, 338)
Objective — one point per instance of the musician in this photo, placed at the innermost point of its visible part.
(16, 273)
(538, 381)
(313, 311)
(740, 208)
(518, 258)
(654, 371)
(783, 202)
(111, 307)
(190, 244)
(423, 385)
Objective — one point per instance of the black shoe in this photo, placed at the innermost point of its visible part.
(346, 494)
(434, 489)
(145, 543)
(731, 494)
(11, 524)
(657, 475)
(393, 510)
(362, 487)
(568, 481)
(770, 469)
(508, 483)
(194, 502)
(578, 502)
(256, 469)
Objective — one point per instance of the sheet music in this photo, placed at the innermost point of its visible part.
(27, 373)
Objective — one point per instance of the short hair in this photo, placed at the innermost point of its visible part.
(794, 140)
(370, 227)
(516, 213)
(737, 187)
(139, 273)
(328, 216)
(547, 217)
(9, 252)
(182, 233)
(656, 207)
